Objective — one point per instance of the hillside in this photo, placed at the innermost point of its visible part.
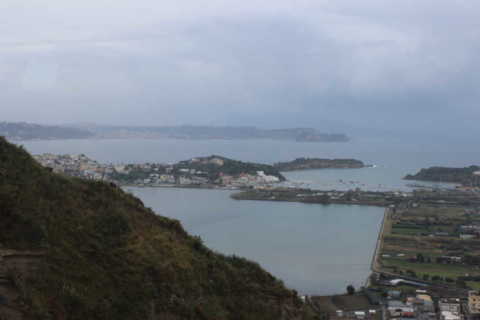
(316, 163)
(463, 176)
(216, 166)
(29, 131)
(78, 249)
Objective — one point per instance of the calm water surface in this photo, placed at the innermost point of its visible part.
(315, 249)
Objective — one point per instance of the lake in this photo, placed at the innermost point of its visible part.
(315, 249)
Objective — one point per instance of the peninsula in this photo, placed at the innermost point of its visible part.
(316, 163)
(467, 176)
(201, 172)
(437, 198)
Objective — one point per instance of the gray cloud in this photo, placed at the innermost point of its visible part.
(340, 65)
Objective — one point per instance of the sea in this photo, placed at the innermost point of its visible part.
(315, 249)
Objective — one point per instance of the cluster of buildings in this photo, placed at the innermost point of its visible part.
(469, 231)
(154, 174)
(247, 180)
(421, 304)
(191, 177)
(466, 306)
(75, 165)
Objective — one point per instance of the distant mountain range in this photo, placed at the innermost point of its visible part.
(214, 132)
(30, 131)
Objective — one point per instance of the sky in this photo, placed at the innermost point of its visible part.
(377, 66)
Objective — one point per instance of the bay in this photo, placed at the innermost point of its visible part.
(315, 249)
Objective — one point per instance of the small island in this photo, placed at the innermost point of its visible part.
(316, 163)
(467, 176)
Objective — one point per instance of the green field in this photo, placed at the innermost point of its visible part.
(432, 269)
(330, 304)
(474, 285)
(408, 231)
(413, 231)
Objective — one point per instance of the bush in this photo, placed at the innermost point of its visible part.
(350, 289)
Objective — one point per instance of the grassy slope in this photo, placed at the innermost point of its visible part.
(109, 257)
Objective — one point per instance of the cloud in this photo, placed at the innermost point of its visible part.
(340, 64)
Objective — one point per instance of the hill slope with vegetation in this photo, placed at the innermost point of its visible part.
(316, 163)
(216, 166)
(77, 249)
(465, 176)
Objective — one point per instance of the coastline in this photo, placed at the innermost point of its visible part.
(378, 246)
(179, 186)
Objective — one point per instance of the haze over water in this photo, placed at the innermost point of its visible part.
(314, 249)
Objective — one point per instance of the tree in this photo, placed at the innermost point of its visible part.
(420, 258)
(461, 283)
(412, 273)
(350, 289)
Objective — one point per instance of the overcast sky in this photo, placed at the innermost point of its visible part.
(345, 66)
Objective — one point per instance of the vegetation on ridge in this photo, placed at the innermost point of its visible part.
(106, 256)
(467, 176)
(316, 163)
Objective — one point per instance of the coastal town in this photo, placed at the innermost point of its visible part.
(206, 172)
